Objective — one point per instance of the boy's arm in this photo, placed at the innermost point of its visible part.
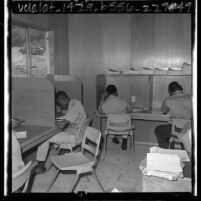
(164, 108)
(128, 108)
(103, 97)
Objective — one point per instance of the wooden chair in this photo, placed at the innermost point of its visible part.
(21, 178)
(119, 124)
(176, 123)
(81, 162)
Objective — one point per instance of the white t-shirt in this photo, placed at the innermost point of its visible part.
(114, 104)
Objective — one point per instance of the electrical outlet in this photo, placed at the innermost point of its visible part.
(133, 99)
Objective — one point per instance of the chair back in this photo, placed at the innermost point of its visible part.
(21, 178)
(186, 140)
(179, 123)
(91, 142)
(82, 128)
(118, 122)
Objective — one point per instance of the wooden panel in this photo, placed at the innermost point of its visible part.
(131, 85)
(70, 84)
(33, 99)
(160, 87)
(95, 43)
(161, 40)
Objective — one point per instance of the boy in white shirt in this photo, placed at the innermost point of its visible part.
(73, 113)
(111, 103)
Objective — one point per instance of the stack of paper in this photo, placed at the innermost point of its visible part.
(160, 71)
(164, 165)
(181, 153)
(174, 71)
(114, 71)
(132, 71)
(146, 70)
(186, 68)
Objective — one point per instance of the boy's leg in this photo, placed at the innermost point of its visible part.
(43, 149)
(124, 142)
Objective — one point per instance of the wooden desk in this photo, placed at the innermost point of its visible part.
(35, 135)
(147, 115)
(157, 184)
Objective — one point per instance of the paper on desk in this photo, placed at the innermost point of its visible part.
(20, 134)
(164, 175)
(164, 162)
(181, 153)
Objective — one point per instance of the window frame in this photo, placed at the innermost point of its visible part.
(50, 62)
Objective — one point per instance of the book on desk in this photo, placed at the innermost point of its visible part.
(166, 163)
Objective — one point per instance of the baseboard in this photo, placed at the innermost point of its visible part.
(146, 143)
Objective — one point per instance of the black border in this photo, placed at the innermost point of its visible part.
(98, 196)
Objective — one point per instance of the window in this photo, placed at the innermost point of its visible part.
(31, 52)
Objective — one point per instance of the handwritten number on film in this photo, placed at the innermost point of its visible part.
(100, 7)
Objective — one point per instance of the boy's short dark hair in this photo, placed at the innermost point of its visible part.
(111, 89)
(174, 86)
(61, 94)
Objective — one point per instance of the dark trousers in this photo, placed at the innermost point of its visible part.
(163, 134)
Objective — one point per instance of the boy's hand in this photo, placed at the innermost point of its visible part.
(61, 123)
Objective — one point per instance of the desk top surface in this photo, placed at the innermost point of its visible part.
(35, 133)
(142, 114)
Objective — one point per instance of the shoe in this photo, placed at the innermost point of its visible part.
(124, 144)
(40, 168)
(115, 140)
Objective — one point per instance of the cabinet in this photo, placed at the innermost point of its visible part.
(149, 89)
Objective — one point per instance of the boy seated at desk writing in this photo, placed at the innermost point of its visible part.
(177, 105)
(111, 103)
(73, 113)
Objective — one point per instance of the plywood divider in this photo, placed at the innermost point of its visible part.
(33, 100)
(72, 85)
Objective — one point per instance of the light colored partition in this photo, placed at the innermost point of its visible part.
(33, 100)
(160, 86)
(70, 84)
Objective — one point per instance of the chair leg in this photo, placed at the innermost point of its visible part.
(74, 183)
(133, 141)
(105, 145)
(88, 179)
(53, 179)
(98, 181)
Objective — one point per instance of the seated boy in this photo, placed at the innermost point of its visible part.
(73, 113)
(111, 103)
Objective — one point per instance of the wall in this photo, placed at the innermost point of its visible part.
(161, 40)
(97, 42)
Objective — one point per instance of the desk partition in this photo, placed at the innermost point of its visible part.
(33, 100)
(70, 84)
(149, 90)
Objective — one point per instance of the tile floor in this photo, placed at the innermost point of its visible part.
(117, 170)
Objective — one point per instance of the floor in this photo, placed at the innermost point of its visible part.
(118, 170)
